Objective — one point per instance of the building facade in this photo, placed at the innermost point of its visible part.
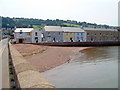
(27, 35)
(52, 34)
(101, 34)
(80, 36)
(77, 34)
(65, 34)
(73, 34)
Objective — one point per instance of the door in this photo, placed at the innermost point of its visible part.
(71, 39)
(20, 40)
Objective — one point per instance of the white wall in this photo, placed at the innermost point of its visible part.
(28, 38)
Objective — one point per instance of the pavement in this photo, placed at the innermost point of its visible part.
(4, 69)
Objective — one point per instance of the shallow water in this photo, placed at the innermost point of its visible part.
(93, 68)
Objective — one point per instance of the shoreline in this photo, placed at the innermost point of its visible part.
(44, 58)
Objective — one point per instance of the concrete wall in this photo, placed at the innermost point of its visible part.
(26, 75)
(4, 61)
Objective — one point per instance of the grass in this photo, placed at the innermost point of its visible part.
(71, 25)
(11, 71)
(39, 27)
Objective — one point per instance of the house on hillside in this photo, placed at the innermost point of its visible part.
(27, 35)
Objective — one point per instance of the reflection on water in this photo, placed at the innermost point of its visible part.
(97, 55)
(93, 68)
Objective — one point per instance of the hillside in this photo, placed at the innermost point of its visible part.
(8, 22)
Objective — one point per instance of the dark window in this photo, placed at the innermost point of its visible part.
(35, 33)
(54, 39)
(71, 39)
(87, 33)
(81, 34)
(91, 39)
(20, 40)
(36, 38)
(48, 33)
(42, 39)
(59, 33)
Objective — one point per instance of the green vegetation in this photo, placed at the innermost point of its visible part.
(8, 22)
(71, 25)
(39, 27)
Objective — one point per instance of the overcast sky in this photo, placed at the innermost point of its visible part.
(93, 11)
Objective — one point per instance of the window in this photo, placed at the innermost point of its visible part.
(42, 35)
(59, 33)
(81, 34)
(28, 34)
(48, 33)
(100, 33)
(54, 40)
(49, 39)
(117, 38)
(66, 33)
(91, 39)
(36, 38)
(82, 38)
(87, 33)
(21, 32)
(42, 39)
(35, 33)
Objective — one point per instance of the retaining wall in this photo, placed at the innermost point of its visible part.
(5, 64)
(25, 75)
(100, 43)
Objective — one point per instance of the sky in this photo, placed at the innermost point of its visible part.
(92, 11)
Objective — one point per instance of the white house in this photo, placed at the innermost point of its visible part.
(27, 35)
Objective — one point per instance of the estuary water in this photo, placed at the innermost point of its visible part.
(92, 68)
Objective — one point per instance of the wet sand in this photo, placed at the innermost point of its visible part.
(44, 58)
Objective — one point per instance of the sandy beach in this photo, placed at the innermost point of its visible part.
(44, 58)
